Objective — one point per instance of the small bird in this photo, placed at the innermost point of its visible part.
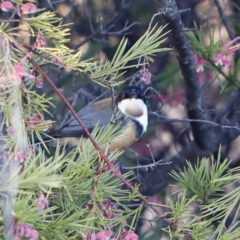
(130, 102)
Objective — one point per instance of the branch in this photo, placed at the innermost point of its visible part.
(226, 23)
(224, 20)
(107, 28)
(206, 138)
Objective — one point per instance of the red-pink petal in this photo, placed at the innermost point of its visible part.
(32, 7)
(200, 61)
(221, 60)
(103, 235)
(226, 48)
(131, 236)
(34, 234)
(28, 8)
(7, 6)
(39, 82)
(17, 238)
(227, 63)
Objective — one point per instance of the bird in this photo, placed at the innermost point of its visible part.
(130, 103)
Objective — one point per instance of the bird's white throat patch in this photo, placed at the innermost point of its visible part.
(136, 109)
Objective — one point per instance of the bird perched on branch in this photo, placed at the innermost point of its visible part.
(130, 102)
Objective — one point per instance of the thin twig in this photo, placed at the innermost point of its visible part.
(194, 120)
(226, 23)
(122, 30)
(150, 150)
(151, 165)
(151, 22)
(106, 32)
(137, 154)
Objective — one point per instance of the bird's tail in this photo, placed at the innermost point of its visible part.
(54, 138)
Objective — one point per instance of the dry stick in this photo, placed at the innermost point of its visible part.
(232, 36)
(95, 144)
(224, 20)
(226, 24)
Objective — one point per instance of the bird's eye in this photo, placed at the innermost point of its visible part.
(123, 96)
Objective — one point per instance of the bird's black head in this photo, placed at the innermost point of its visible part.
(129, 93)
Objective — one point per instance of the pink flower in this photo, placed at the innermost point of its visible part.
(40, 41)
(37, 120)
(145, 75)
(90, 236)
(129, 235)
(6, 6)
(42, 202)
(103, 235)
(39, 82)
(33, 235)
(25, 230)
(21, 157)
(17, 73)
(228, 49)
(11, 131)
(30, 151)
(220, 59)
(200, 62)
(18, 156)
(17, 238)
(28, 8)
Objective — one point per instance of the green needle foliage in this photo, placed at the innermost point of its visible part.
(201, 207)
(146, 47)
(83, 196)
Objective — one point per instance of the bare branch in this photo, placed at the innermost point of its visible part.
(205, 139)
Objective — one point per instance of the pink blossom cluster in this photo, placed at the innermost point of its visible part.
(109, 210)
(17, 73)
(42, 202)
(37, 120)
(25, 230)
(19, 156)
(39, 82)
(40, 41)
(146, 75)
(26, 8)
(106, 235)
(220, 58)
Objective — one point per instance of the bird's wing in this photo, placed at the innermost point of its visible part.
(99, 113)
